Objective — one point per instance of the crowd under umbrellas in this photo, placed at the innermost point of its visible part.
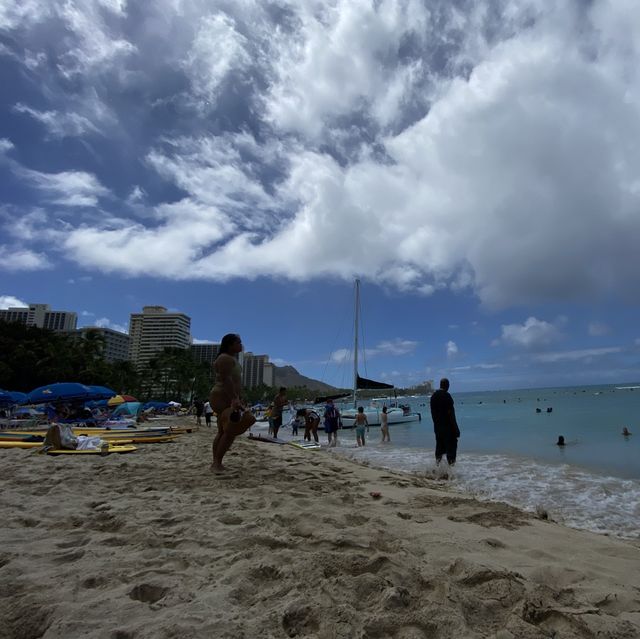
(74, 417)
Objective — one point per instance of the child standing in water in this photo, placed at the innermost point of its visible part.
(361, 424)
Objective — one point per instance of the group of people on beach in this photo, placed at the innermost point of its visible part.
(234, 418)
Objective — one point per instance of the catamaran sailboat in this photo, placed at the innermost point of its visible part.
(396, 415)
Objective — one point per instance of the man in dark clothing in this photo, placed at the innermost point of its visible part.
(445, 425)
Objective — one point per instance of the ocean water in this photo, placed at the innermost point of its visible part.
(507, 452)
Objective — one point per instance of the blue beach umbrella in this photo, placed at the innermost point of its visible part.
(62, 391)
(102, 392)
(17, 396)
(5, 398)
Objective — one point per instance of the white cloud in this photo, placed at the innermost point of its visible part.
(90, 43)
(13, 258)
(452, 349)
(203, 341)
(105, 322)
(341, 355)
(59, 125)
(344, 58)
(68, 188)
(5, 145)
(8, 301)
(486, 148)
(395, 347)
(216, 49)
(597, 329)
(534, 333)
(576, 355)
(474, 367)
(184, 231)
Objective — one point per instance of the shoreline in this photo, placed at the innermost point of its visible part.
(290, 543)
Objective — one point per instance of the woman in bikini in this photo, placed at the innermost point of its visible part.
(225, 400)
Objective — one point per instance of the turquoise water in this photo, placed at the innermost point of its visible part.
(508, 451)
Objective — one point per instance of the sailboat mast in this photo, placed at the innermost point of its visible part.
(355, 344)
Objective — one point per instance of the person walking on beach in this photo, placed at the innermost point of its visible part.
(331, 421)
(384, 425)
(279, 402)
(445, 425)
(361, 423)
(198, 405)
(208, 413)
(225, 399)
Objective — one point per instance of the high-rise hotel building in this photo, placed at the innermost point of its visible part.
(256, 370)
(42, 316)
(155, 329)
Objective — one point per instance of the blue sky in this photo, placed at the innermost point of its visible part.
(474, 163)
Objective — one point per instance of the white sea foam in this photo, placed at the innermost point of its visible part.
(577, 498)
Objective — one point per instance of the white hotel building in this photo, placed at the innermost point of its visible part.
(154, 330)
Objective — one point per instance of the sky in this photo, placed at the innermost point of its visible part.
(474, 162)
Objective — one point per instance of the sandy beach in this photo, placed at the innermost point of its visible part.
(290, 543)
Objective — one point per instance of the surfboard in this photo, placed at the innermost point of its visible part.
(95, 432)
(265, 439)
(123, 439)
(112, 449)
(20, 444)
(305, 445)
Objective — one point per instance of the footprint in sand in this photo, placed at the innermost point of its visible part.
(93, 582)
(299, 620)
(148, 593)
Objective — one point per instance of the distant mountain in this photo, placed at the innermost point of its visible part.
(288, 376)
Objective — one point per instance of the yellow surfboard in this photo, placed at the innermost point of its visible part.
(109, 451)
(114, 447)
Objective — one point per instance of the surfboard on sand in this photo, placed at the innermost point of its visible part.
(113, 448)
(265, 439)
(97, 451)
(305, 445)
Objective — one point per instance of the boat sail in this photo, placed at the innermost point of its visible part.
(395, 415)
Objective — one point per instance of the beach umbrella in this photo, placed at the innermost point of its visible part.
(5, 398)
(128, 408)
(61, 391)
(102, 392)
(121, 399)
(16, 396)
